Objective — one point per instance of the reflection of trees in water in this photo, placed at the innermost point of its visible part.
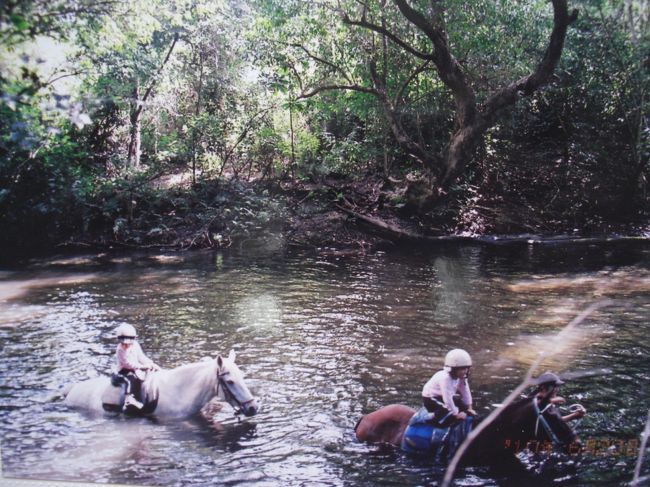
(452, 297)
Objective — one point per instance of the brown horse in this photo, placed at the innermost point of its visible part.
(524, 423)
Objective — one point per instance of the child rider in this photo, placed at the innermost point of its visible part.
(131, 362)
(440, 393)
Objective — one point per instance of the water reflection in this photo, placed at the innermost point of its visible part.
(321, 341)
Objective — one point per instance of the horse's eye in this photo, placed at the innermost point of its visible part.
(231, 382)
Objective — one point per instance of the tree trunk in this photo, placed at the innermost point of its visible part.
(137, 105)
(135, 129)
(461, 149)
(629, 11)
(292, 135)
(197, 111)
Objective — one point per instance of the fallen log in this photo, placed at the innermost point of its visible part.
(394, 232)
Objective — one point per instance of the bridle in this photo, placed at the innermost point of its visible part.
(542, 420)
(228, 394)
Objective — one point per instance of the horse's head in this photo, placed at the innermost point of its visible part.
(532, 421)
(235, 391)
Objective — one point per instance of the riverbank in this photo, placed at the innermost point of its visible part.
(332, 214)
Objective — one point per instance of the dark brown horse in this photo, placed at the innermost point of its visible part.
(524, 423)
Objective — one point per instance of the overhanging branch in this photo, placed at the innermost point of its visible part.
(385, 32)
(527, 85)
(154, 80)
(449, 69)
(321, 60)
(420, 69)
(334, 87)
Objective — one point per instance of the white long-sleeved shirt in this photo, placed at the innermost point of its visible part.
(131, 357)
(443, 385)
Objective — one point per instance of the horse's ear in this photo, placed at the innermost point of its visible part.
(231, 356)
(220, 361)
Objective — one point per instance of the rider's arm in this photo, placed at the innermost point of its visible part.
(465, 394)
(448, 390)
(557, 400)
(145, 362)
(578, 413)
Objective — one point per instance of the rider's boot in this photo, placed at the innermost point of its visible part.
(130, 400)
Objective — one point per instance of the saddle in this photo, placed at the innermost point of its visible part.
(424, 436)
(114, 397)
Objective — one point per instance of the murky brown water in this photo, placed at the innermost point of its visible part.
(322, 341)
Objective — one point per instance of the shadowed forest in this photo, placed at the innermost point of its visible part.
(349, 124)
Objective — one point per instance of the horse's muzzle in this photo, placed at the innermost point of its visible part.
(250, 408)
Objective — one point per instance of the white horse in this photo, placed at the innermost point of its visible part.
(178, 392)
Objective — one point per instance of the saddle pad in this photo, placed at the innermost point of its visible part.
(423, 438)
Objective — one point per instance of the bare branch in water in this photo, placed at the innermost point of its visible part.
(586, 373)
(639, 463)
(453, 465)
(643, 480)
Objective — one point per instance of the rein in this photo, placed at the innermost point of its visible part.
(228, 395)
(541, 419)
(573, 408)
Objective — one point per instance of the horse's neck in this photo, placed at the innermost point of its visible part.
(513, 424)
(519, 420)
(193, 384)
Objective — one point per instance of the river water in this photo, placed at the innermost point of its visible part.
(322, 340)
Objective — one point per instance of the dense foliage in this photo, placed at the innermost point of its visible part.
(103, 103)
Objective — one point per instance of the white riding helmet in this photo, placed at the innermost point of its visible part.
(458, 358)
(125, 333)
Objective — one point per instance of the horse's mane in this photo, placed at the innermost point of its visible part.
(508, 422)
(200, 363)
(177, 373)
(505, 417)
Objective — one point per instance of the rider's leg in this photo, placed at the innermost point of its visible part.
(121, 379)
(441, 415)
(131, 387)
